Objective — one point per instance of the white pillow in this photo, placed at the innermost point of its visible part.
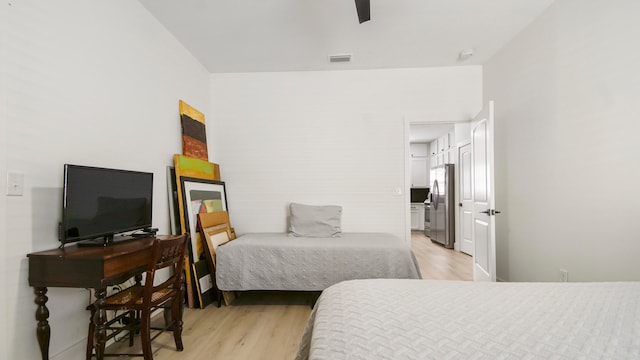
(315, 221)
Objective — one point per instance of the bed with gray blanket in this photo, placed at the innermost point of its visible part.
(428, 319)
(280, 261)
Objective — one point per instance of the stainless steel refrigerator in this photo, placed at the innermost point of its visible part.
(443, 205)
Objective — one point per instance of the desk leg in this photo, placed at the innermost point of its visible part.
(99, 320)
(42, 314)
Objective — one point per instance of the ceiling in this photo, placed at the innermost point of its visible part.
(424, 133)
(299, 35)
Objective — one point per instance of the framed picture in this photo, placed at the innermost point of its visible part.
(194, 136)
(200, 196)
(204, 283)
(215, 236)
(216, 230)
(185, 166)
(172, 189)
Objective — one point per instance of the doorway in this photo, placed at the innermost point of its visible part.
(443, 143)
(429, 145)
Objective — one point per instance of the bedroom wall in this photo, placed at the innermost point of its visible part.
(566, 92)
(334, 137)
(4, 314)
(92, 83)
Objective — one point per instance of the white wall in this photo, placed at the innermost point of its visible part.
(567, 91)
(4, 296)
(92, 83)
(328, 138)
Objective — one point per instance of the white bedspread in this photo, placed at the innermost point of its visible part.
(276, 261)
(426, 319)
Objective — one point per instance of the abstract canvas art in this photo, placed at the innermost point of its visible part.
(194, 137)
(195, 168)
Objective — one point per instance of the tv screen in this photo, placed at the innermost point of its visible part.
(99, 202)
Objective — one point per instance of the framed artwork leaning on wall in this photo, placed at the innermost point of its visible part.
(200, 196)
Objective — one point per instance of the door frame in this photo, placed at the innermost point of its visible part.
(486, 217)
(459, 145)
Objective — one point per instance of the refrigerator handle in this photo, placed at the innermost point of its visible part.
(437, 192)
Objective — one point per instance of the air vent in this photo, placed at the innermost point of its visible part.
(342, 58)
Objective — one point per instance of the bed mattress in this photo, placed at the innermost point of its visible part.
(427, 319)
(276, 261)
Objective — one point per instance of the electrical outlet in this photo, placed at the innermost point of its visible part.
(564, 275)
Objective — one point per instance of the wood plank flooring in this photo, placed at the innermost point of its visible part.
(268, 325)
(439, 263)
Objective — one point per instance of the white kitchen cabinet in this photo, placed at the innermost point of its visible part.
(419, 165)
(419, 172)
(417, 216)
(442, 150)
(443, 143)
(414, 218)
(420, 150)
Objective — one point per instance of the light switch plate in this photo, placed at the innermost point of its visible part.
(15, 184)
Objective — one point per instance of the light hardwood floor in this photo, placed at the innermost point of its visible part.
(268, 325)
(438, 263)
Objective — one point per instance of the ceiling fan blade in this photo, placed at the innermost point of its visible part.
(364, 10)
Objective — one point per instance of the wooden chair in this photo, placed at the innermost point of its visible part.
(139, 301)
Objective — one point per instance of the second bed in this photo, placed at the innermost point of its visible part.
(277, 261)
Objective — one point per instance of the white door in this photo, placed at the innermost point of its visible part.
(465, 208)
(483, 212)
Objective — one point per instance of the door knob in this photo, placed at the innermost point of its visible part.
(488, 212)
(493, 212)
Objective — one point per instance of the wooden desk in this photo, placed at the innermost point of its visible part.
(84, 267)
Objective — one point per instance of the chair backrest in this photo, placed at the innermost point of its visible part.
(166, 253)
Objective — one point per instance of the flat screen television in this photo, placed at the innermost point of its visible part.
(99, 203)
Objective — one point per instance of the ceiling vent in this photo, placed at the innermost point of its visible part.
(342, 58)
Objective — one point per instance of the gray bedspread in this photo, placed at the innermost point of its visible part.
(276, 261)
(427, 319)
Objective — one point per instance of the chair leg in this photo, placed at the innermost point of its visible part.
(145, 334)
(176, 317)
(133, 318)
(92, 329)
